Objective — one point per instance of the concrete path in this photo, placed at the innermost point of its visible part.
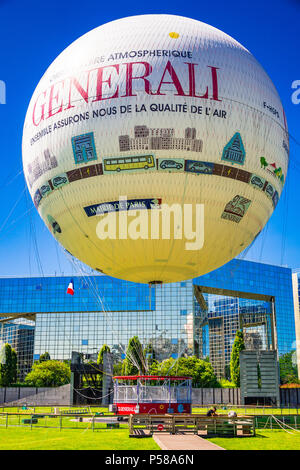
(183, 442)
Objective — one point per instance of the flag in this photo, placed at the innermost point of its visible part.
(70, 289)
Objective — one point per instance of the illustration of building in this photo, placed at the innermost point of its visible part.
(160, 139)
(234, 151)
(40, 166)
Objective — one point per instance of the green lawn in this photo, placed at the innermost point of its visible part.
(248, 411)
(22, 438)
(264, 440)
(52, 439)
(195, 410)
(49, 409)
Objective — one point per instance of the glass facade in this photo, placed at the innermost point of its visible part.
(262, 280)
(20, 335)
(199, 316)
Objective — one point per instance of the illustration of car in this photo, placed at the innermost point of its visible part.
(257, 182)
(270, 190)
(170, 164)
(45, 189)
(56, 227)
(59, 180)
(199, 167)
(275, 198)
(37, 198)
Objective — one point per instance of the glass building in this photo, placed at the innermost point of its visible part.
(20, 335)
(199, 316)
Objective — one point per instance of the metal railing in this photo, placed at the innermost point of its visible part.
(94, 422)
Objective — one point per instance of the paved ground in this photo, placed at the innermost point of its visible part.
(183, 442)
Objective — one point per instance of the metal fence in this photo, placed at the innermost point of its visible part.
(100, 419)
(61, 421)
(285, 422)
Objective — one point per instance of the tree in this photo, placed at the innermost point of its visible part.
(8, 366)
(118, 368)
(237, 347)
(48, 374)
(200, 370)
(288, 368)
(149, 355)
(134, 362)
(45, 357)
(105, 348)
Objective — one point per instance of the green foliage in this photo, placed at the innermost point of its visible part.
(118, 368)
(227, 372)
(149, 355)
(288, 368)
(105, 348)
(291, 379)
(8, 366)
(200, 370)
(44, 357)
(224, 383)
(49, 374)
(134, 362)
(258, 376)
(237, 347)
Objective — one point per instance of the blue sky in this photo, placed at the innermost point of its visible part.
(33, 33)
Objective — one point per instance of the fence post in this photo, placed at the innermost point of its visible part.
(173, 425)
(6, 424)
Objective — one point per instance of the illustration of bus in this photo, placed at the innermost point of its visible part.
(142, 162)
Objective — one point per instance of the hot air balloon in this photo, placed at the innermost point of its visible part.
(152, 147)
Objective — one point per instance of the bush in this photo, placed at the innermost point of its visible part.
(201, 371)
(48, 374)
(224, 383)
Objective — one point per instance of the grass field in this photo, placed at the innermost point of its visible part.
(55, 433)
(264, 440)
(249, 411)
(52, 439)
(195, 410)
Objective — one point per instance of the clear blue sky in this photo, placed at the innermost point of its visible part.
(33, 33)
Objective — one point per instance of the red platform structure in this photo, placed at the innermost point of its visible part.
(151, 394)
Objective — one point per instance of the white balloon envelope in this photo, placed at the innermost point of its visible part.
(155, 148)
